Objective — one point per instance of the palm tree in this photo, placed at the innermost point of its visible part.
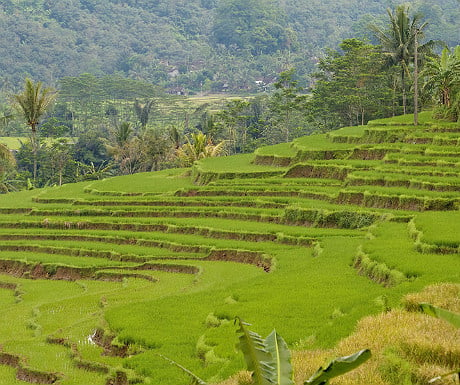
(200, 147)
(143, 111)
(32, 103)
(399, 40)
(442, 76)
(122, 133)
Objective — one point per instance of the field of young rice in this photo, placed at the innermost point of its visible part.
(102, 282)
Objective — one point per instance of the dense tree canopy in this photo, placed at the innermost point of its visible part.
(255, 26)
(193, 45)
(352, 86)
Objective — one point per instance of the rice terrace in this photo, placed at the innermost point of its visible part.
(333, 239)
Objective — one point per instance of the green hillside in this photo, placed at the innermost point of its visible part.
(195, 45)
(100, 279)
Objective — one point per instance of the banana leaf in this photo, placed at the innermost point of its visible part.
(337, 367)
(446, 315)
(258, 358)
(281, 359)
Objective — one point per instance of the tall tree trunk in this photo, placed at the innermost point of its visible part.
(34, 149)
(416, 80)
(394, 101)
(403, 85)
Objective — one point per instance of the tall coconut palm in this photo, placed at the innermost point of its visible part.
(399, 39)
(32, 103)
(442, 76)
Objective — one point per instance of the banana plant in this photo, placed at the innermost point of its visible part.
(269, 359)
(337, 367)
(281, 357)
(446, 315)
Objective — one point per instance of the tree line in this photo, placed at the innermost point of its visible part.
(193, 45)
(353, 84)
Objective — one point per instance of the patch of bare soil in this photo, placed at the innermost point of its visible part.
(249, 257)
(25, 374)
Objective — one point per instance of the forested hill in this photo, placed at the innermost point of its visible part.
(189, 44)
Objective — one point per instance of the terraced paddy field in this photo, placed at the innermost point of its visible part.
(100, 281)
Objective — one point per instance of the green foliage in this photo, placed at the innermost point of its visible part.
(256, 26)
(180, 41)
(352, 88)
(442, 82)
(378, 272)
(199, 147)
(143, 111)
(258, 357)
(281, 357)
(338, 366)
(187, 258)
(269, 360)
(287, 104)
(33, 102)
(398, 41)
(195, 380)
(396, 369)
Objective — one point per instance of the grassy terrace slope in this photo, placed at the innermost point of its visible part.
(99, 279)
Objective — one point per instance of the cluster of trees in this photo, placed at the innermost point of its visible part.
(195, 45)
(122, 148)
(365, 81)
(357, 82)
(442, 83)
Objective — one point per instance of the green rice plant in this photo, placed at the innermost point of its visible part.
(201, 177)
(405, 180)
(434, 160)
(159, 182)
(195, 380)
(292, 181)
(325, 218)
(351, 134)
(378, 272)
(425, 118)
(279, 155)
(313, 170)
(281, 150)
(317, 250)
(142, 217)
(242, 163)
(385, 134)
(383, 197)
(403, 191)
(396, 369)
(439, 229)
